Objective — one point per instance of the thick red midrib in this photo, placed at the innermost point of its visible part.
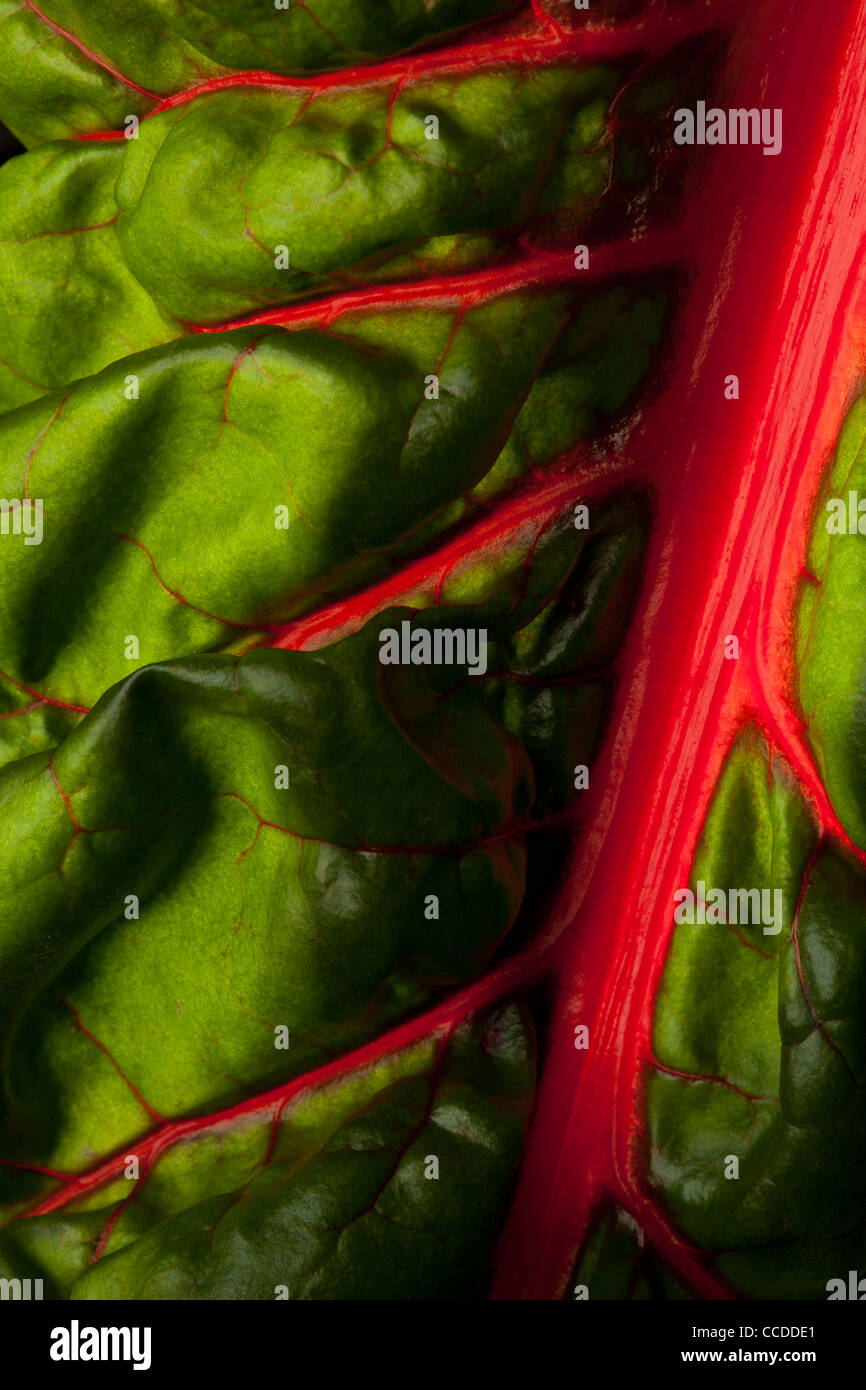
(654, 34)
(762, 454)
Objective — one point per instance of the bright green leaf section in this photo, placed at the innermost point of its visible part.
(323, 843)
(193, 493)
(161, 511)
(50, 89)
(260, 905)
(74, 303)
(760, 1044)
(70, 305)
(340, 1201)
(831, 635)
(249, 197)
(117, 56)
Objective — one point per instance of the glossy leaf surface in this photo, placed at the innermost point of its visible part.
(428, 626)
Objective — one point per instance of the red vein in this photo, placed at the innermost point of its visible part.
(23, 709)
(59, 231)
(653, 34)
(710, 1080)
(88, 53)
(36, 1168)
(39, 695)
(534, 269)
(154, 1115)
(505, 979)
(534, 506)
(514, 830)
(655, 790)
(34, 449)
(64, 797)
(178, 596)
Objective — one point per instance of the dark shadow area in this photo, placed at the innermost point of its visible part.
(8, 144)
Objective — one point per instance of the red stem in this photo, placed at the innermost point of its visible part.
(719, 562)
(734, 469)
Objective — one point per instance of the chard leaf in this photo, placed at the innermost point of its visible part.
(312, 463)
(71, 66)
(831, 645)
(228, 886)
(328, 1196)
(759, 1045)
(616, 1265)
(213, 189)
(71, 305)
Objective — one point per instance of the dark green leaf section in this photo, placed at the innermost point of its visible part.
(212, 190)
(550, 676)
(339, 1200)
(608, 349)
(323, 843)
(310, 464)
(616, 1265)
(760, 1046)
(831, 637)
(118, 56)
(319, 35)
